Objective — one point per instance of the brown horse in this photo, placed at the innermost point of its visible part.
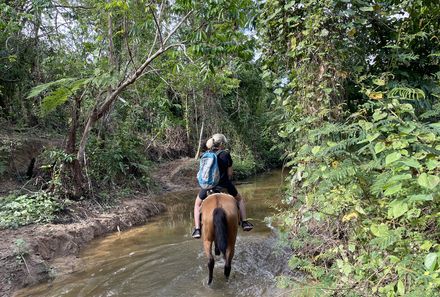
(219, 225)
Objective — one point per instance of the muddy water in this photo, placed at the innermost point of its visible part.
(161, 259)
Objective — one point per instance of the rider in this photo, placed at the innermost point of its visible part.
(215, 143)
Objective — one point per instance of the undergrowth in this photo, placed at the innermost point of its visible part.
(20, 210)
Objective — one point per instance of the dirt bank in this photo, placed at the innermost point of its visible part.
(35, 253)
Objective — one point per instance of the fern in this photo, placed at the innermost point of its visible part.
(41, 88)
(54, 99)
(380, 182)
(406, 57)
(61, 95)
(405, 93)
(388, 240)
(65, 88)
(432, 113)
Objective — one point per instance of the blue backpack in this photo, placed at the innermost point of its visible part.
(209, 172)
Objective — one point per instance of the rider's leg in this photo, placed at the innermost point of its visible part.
(240, 201)
(197, 205)
(241, 207)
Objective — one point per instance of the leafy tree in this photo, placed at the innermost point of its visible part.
(357, 90)
(111, 54)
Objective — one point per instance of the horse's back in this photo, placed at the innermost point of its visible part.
(225, 202)
(220, 200)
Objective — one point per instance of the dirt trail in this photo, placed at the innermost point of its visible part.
(35, 253)
(177, 174)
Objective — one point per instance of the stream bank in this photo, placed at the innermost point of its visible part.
(161, 259)
(36, 253)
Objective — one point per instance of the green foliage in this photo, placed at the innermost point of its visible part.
(21, 249)
(66, 87)
(119, 159)
(246, 167)
(27, 209)
(381, 191)
(357, 107)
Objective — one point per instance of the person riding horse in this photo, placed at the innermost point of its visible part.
(217, 144)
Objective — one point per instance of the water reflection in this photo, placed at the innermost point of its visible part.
(161, 259)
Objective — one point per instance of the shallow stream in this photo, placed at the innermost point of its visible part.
(161, 259)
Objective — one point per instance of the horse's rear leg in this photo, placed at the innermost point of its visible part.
(208, 251)
(228, 262)
(211, 269)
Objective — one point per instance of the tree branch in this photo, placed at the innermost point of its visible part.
(177, 26)
(159, 32)
(101, 109)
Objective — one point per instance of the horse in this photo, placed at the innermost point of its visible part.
(220, 218)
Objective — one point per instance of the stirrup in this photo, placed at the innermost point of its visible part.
(196, 233)
(246, 226)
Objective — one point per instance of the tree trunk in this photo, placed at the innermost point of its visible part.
(72, 172)
(188, 140)
(200, 141)
(99, 110)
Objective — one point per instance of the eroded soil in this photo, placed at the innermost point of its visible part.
(35, 253)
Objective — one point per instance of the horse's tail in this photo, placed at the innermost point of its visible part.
(221, 229)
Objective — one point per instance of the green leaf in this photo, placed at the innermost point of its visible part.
(351, 247)
(315, 150)
(400, 177)
(400, 288)
(392, 158)
(397, 208)
(379, 115)
(278, 91)
(435, 125)
(432, 164)
(393, 189)
(431, 261)
(294, 262)
(428, 181)
(379, 82)
(426, 245)
(411, 163)
(379, 230)
(421, 197)
(379, 147)
(54, 99)
(407, 128)
(394, 259)
(324, 33)
(371, 137)
(289, 5)
(428, 137)
(367, 8)
(41, 88)
(359, 209)
(61, 94)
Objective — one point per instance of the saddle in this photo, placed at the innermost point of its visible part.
(214, 190)
(217, 189)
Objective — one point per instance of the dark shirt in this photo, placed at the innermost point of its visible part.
(224, 161)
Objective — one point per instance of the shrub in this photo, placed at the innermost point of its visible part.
(26, 209)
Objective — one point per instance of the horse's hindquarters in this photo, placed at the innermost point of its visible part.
(219, 224)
